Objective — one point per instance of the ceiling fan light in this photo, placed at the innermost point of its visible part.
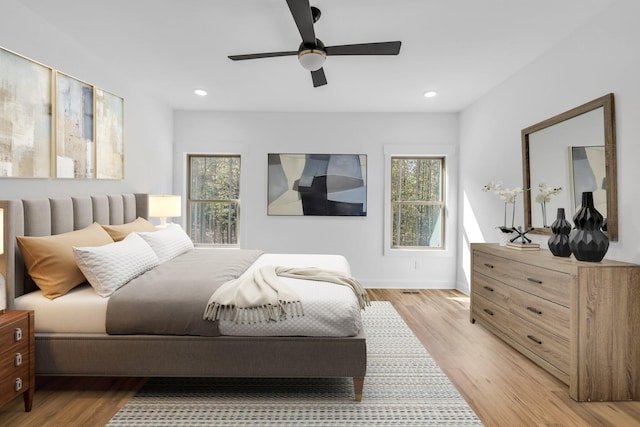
(312, 59)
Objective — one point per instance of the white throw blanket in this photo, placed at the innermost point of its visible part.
(263, 297)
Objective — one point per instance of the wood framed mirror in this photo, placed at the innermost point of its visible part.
(574, 150)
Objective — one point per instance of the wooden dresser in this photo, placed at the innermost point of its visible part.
(578, 320)
(17, 357)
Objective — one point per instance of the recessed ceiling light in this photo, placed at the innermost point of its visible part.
(430, 94)
(200, 92)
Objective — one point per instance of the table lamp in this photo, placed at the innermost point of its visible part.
(164, 206)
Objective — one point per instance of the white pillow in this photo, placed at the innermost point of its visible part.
(111, 266)
(168, 242)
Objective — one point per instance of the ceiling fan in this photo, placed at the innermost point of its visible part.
(312, 52)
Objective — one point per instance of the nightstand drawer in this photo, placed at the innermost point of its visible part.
(548, 284)
(11, 361)
(14, 385)
(14, 334)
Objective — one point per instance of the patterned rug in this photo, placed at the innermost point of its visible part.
(403, 387)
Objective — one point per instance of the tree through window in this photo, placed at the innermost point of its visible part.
(417, 202)
(214, 199)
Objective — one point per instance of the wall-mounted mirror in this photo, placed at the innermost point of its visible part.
(575, 150)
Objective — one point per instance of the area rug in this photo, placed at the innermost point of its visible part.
(403, 387)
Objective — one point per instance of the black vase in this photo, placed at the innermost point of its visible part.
(587, 241)
(559, 240)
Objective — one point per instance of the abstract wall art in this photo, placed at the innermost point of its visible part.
(317, 184)
(25, 117)
(53, 125)
(109, 135)
(75, 143)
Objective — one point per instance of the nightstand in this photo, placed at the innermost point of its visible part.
(17, 356)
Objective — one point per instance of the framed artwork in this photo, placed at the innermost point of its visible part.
(75, 143)
(25, 117)
(588, 173)
(109, 135)
(317, 184)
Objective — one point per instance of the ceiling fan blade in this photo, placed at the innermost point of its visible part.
(383, 48)
(301, 11)
(262, 55)
(319, 78)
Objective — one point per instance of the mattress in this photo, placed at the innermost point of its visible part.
(330, 310)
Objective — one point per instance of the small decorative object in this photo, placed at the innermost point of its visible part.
(587, 241)
(524, 243)
(524, 246)
(544, 197)
(559, 240)
(509, 197)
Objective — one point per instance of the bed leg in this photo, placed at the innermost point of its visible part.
(358, 384)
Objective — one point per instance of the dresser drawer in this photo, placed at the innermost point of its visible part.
(548, 284)
(541, 342)
(488, 312)
(9, 384)
(540, 312)
(492, 290)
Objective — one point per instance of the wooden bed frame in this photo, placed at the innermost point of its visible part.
(158, 355)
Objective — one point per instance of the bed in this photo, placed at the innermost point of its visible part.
(67, 347)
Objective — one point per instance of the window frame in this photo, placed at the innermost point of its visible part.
(237, 202)
(448, 153)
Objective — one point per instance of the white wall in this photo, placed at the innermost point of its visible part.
(360, 239)
(601, 57)
(148, 123)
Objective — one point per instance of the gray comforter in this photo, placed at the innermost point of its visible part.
(171, 298)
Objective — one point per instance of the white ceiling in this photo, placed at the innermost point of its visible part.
(461, 48)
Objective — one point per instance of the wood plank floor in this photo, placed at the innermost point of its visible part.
(502, 387)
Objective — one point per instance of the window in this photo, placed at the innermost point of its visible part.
(417, 202)
(213, 205)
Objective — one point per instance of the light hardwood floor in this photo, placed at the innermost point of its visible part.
(502, 387)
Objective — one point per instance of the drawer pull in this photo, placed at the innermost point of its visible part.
(18, 384)
(18, 359)
(488, 265)
(489, 312)
(534, 339)
(18, 335)
(534, 310)
(488, 288)
(539, 282)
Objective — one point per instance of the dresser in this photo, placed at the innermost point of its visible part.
(17, 357)
(578, 320)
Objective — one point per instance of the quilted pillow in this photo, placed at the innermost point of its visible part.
(119, 232)
(110, 267)
(168, 242)
(50, 261)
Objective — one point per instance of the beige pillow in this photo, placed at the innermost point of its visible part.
(50, 261)
(119, 232)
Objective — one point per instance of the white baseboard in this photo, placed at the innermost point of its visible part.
(406, 284)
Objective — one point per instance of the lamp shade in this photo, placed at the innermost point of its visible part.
(165, 206)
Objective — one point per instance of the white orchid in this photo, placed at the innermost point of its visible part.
(545, 192)
(507, 195)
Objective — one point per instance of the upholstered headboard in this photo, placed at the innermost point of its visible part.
(45, 217)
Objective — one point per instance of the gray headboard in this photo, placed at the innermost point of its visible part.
(45, 217)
